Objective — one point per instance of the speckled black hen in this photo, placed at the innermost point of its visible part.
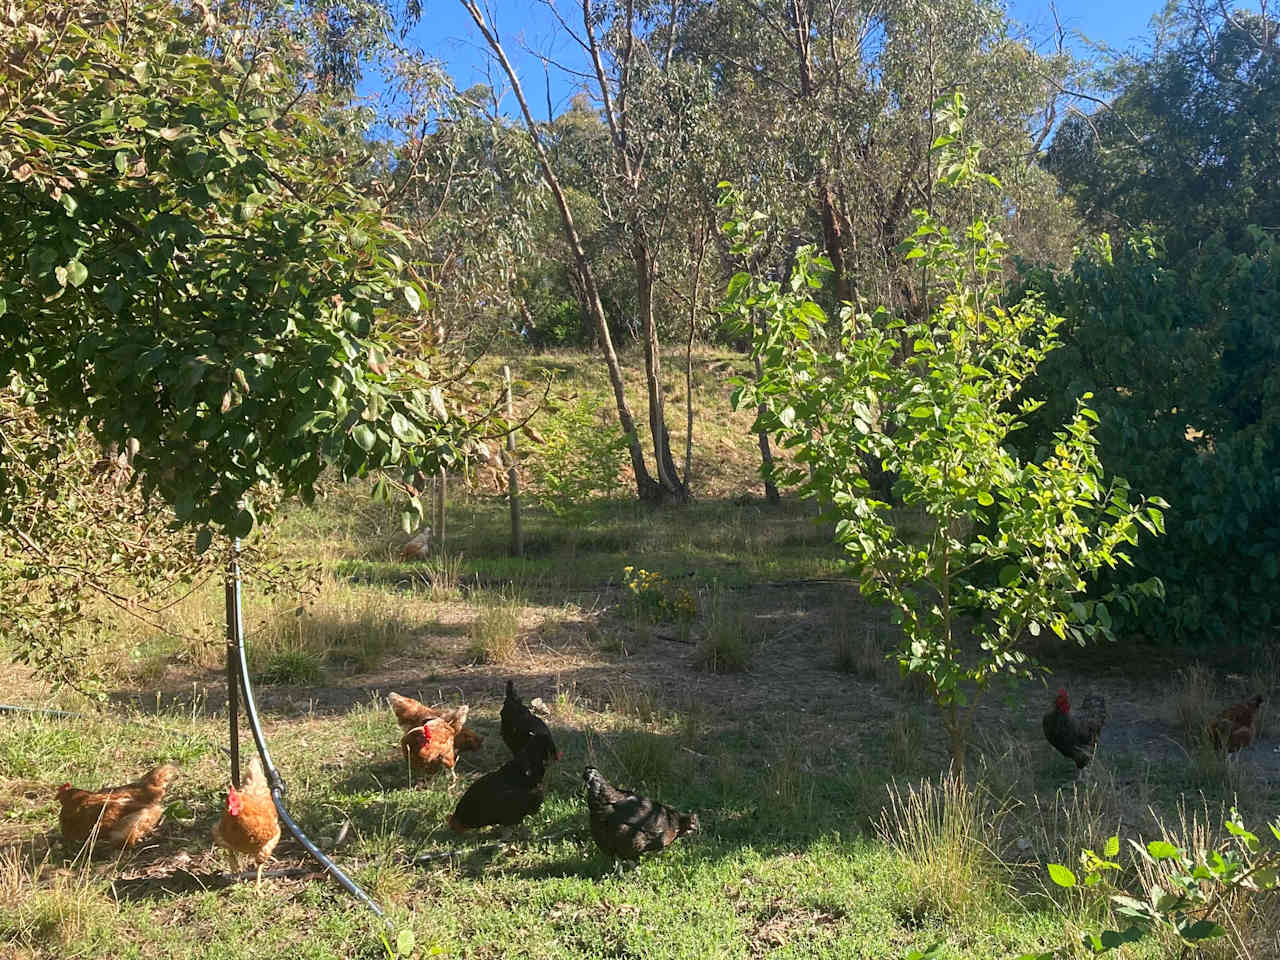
(626, 825)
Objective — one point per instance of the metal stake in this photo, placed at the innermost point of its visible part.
(235, 639)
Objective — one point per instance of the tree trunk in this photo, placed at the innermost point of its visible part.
(832, 238)
(957, 730)
(766, 455)
(646, 487)
(668, 478)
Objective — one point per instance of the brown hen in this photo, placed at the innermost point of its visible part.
(430, 748)
(411, 713)
(114, 817)
(1236, 726)
(250, 825)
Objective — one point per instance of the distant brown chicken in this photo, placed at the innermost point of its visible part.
(430, 748)
(115, 817)
(1236, 726)
(250, 825)
(411, 713)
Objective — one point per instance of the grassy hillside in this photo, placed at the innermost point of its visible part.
(747, 681)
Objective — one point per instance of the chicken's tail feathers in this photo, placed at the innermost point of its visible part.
(511, 691)
(459, 717)
(255, 776)
(598, 787)
(1094, 709)
(161, 776)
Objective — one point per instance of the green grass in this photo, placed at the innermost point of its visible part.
(804, 851)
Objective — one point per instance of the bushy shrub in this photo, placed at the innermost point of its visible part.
(1183, 360)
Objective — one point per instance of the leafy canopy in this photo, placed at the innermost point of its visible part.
(188, 270)
(988, 548)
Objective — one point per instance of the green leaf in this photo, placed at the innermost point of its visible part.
(787, 416)
(1201, 930)
(203, 539)
(402, 428)
(404, 942)
(243, 524)
(364, 436)
(113, 297)
(1009, 574)
(1061, 875)
(411, 297)
(920, 413)
(77, 273)
(1161, 849)
(985, 499)
(1112, 846)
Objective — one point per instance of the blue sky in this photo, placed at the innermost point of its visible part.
(446, 32)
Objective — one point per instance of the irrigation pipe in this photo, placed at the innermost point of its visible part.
(238, 669)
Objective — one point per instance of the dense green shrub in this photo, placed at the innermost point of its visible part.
(1184, 363)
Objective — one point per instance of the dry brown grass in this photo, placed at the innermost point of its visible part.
(1195, 699)
(495, 631)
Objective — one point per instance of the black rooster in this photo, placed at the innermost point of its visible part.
(1075, 737)
(504, 796)
(625, 825)
(520, 726)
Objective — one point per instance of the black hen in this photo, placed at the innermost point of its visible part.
(520, 726)
(625, 825)
(1075, 737)
(507, 795)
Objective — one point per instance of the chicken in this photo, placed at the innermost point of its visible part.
(1236, 726)
(626, 825)
(411, 713)
(429, 748)
(507, 795)
(1075, 737)
(520, 725)
(250, 825)
(115, 816)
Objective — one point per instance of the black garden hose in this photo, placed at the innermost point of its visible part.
(237, 664)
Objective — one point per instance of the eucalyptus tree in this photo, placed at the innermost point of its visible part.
(467, 186)
(1186, 146)
(654, 107)
(833, 103)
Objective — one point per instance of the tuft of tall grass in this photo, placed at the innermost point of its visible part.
(64, 913)
(730, 642)
(944, 834)
(1081, 816)
(860, 648)
(495, 631)
(906, 737)
(441, 575)
(634, 702)
(1195, 699)
(649, 759)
